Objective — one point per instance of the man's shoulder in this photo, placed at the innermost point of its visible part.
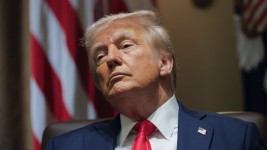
(231, 129)
(85, 130)
(95, 133)
(216, 119)
(89, 129)
(218, 116)
(230, 126)
(213, 118)
(218, 122)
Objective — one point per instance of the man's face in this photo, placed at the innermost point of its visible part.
(125, 62)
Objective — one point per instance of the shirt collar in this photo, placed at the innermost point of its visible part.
(165, 118)
(126, 126)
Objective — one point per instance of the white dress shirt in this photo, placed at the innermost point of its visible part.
(165, 118)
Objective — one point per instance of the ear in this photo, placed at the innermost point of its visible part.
(166, 65)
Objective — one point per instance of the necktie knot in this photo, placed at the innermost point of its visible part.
(144, 128)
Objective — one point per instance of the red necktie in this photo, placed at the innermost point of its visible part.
(144, 128)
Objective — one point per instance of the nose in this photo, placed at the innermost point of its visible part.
(114, 57)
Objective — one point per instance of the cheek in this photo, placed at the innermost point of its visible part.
(146, 65)
(102, 75)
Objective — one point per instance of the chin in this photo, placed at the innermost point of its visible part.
(117, 95)
(121, 91)
(120, 88)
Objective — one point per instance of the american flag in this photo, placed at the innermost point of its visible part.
(255, 15)
(252, 52)
(61, 84)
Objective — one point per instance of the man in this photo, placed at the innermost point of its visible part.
(133, 63)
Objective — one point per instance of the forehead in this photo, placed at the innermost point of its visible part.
(119, 28)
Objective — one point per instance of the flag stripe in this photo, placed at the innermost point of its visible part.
(47, 35)
(84, 10)
(36, 144)
(38, 105)
(50, 38)
(64, 66)
(70, 24)
(247, 6)
(263, 25)
(260, 19)
(54, 44)
(253, 10)
(47, 81)
(255, 15)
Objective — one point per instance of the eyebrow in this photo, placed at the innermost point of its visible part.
(115, 37)
(97, 46)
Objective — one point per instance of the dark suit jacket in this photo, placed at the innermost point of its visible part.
(223, 133)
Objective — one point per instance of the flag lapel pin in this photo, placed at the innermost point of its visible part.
(202, 131)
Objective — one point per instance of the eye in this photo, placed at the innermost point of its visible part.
(126, 44)
(99, 57)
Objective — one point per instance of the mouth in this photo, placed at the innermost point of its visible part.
(115, 77)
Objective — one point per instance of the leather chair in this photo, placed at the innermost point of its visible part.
(63, 127)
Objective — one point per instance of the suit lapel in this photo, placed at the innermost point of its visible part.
(192, 132)
(103, 135)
